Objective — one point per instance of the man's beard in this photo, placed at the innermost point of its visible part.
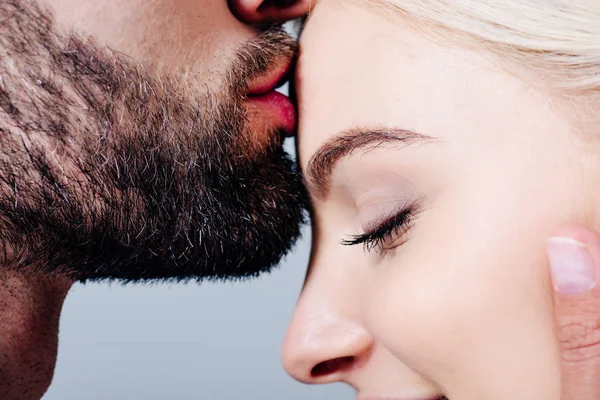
(110, 170)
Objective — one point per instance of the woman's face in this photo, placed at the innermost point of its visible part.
(456, 172)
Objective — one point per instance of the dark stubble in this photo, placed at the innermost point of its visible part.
(110, 170)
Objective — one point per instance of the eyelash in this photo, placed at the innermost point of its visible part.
(393, 227)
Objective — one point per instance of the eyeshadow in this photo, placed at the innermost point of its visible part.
(377, 194)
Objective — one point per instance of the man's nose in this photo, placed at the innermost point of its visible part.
(269, 11)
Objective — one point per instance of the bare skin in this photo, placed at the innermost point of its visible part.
(135, 146)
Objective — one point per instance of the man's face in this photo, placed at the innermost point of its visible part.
(139, 140)
(142, 140)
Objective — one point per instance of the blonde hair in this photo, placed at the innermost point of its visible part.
(558, 41)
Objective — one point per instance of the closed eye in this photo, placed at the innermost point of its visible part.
(386, 234)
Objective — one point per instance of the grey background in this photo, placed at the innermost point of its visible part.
(209, 341)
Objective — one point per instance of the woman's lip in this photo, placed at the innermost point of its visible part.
(279, 110)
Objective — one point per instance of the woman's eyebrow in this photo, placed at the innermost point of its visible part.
(323, 162)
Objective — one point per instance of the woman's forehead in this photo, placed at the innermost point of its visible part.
(358, 71)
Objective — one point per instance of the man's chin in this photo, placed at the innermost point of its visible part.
(242, 228)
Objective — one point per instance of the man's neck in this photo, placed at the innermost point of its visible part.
(30, 306)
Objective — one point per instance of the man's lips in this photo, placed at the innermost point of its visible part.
(279, 107)
(271, 80)
(279, 110)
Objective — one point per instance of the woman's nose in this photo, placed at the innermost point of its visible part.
(322, 346)
(269, 11)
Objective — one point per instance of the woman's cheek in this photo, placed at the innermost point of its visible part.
(469, 308)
